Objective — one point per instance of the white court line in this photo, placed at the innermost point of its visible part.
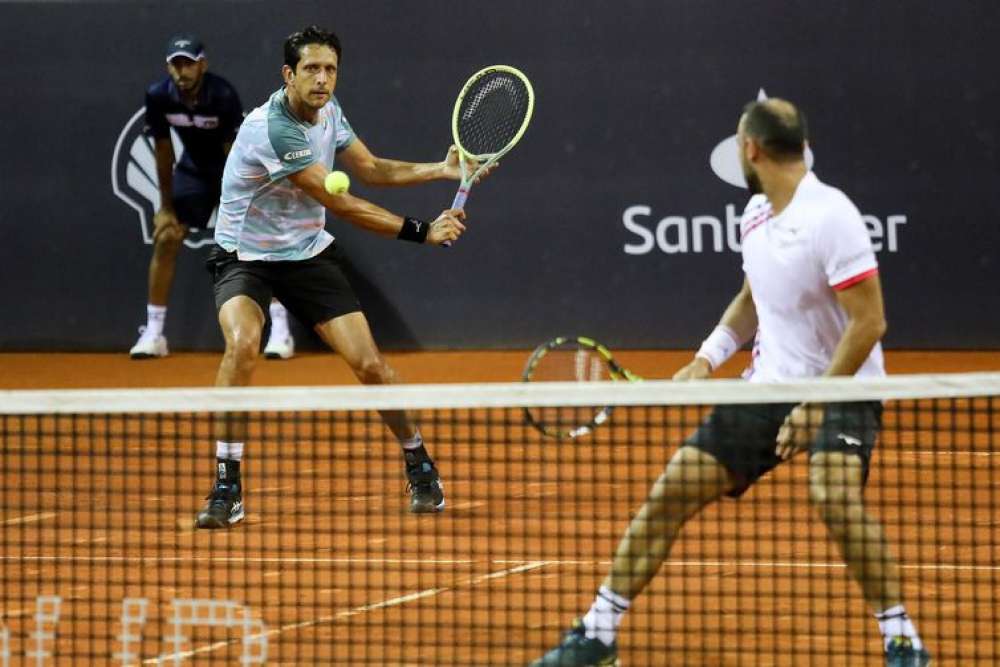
(391, 602)
(241, 559)
(801, 565)
(13, 613)
(291, 560)
(466, 506)
(936, 452)
(29, 518)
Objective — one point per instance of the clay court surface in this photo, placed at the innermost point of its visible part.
(51, 371)
(329, 568)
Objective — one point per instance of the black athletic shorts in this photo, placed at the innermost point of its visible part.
(314, 290)
(195, 196)
(742, 437)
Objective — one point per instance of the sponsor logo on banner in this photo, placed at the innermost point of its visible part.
(134, 180)
(680, 234)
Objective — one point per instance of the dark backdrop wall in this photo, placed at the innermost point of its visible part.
(612, 218)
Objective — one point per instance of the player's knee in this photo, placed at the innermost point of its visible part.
(835, 480)
(373, 370)
(696, 473)
(243, 344)
(691, 479)
(834, 499)
(167, 245)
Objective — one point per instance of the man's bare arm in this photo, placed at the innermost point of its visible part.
(865, 325)
(165, 172)
(741, 314)
(740, 317)
(372, 170)
(166, 227)
(366, 215)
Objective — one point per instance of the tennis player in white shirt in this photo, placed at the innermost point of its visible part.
(812, 302)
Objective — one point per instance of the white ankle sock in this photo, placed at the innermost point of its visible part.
(279, 319)
(155, 317)
(416, 442)
(605, 615)
(894, 622)
(229, 450)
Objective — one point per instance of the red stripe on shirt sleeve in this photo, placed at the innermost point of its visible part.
(854, 280)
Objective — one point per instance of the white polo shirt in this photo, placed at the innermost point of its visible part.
(795, 262)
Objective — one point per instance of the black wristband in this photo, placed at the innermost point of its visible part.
(413, 230)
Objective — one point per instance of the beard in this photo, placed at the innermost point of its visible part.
(753, 182)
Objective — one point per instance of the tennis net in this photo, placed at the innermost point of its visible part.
(101, 563)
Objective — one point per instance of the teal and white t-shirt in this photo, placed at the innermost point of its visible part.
(263, 215)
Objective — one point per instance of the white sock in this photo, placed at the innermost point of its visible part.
(229, 450)
(605, 615)
(894, 622)
(416, 442)
(155, 317)
(279, 319)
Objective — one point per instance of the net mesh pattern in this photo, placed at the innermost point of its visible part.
(100, 563)
(492, 112)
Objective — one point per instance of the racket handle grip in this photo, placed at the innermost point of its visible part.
(460, 197)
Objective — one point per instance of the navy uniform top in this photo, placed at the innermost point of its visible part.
(204, 130)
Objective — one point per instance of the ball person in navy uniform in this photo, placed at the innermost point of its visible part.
(204, 110)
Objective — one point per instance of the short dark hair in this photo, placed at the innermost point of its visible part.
(311, 35)
(779, 127)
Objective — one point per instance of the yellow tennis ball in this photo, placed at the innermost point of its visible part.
(336, 183)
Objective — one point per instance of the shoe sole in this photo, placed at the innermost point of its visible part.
(930, 662)
(617, 663)
(146, 355)
(427, 509)
(211, 523)
(276, 355)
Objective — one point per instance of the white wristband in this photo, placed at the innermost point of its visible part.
(721, 344)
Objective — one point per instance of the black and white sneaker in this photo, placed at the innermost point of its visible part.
(426, 490)
(224, 506)
(900, 653)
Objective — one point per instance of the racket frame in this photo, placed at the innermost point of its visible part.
(485, 160)
(616, 372)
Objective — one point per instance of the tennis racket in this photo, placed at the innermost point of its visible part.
(491, 114)
(571, 359)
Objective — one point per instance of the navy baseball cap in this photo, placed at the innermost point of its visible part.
(186, 45)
